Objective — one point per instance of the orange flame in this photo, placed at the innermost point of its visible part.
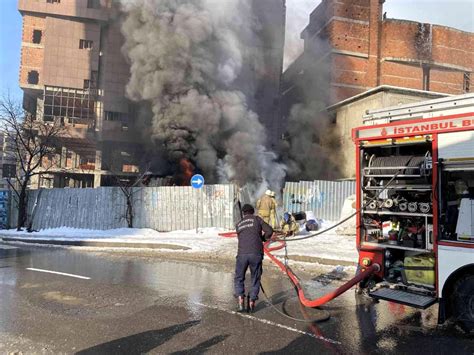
(187, 171)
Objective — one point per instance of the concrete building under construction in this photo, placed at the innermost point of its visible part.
(72, 69)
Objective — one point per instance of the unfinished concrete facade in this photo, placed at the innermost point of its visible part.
(72, 69)
(349, 115)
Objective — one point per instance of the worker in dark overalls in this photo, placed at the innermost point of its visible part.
(251, 232)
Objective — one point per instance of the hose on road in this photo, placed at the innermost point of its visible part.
(313, 303)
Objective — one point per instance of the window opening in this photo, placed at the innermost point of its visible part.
(455, 205)
(467, 82)
(73, 106)
(85, 44)
(115, 116)
(33, 77)
(37, 34)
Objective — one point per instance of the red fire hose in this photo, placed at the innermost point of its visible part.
(327, 297)
(231, 234)
(305, 301)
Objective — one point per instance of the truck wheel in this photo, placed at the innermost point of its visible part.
(463, 302)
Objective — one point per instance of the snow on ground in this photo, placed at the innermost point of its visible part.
(326, 246)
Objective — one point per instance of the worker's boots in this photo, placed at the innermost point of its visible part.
(241, 305)
(250, 305)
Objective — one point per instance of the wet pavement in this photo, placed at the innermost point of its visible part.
(131, 305)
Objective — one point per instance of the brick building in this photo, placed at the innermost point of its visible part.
(357, 48)
(350, 47)
(72, 69)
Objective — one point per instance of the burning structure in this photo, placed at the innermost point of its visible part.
(208, 69)
(158, 82)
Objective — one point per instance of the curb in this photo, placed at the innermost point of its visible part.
(315, 259)
(86, 243)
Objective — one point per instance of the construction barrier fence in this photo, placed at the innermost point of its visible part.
(170, 208)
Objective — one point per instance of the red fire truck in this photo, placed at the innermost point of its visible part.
(415, 202)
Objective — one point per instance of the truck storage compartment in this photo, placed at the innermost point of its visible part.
(409, 268)
(397, 194)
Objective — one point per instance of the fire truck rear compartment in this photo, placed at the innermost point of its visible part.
(397, 216)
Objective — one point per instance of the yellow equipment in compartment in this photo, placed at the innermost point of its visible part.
(420, 269)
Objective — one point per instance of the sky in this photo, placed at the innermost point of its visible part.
(454, 13)
(10, 44)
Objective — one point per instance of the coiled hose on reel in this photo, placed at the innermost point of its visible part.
(412, 163)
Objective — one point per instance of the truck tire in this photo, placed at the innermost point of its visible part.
(462, 301)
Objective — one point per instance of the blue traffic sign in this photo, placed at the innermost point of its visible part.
(197, 181)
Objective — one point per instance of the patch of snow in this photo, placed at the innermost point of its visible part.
(326, 246)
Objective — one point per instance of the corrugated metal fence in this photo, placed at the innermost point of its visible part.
(172, 208)
(160, 208)
(324, 198)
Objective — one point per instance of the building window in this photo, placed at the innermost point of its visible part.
(74, 106)
(467, 82)
(37, 34)
(93, 4)
(85, 44)
(9, 170)
(87, 84)
(115, 116)
(33, 77)
(53, 1)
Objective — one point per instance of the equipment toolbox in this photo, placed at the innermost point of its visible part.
(420, 269)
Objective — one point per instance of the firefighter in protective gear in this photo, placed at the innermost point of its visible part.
(288, 225)
(266, 208)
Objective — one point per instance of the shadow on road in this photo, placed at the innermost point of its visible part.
(139, 343)
(202, 347)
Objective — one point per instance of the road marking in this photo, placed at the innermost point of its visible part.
(58, 273)
(265, 321)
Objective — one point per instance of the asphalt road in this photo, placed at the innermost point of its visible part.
(127, 304)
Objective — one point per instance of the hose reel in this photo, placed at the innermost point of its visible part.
(401, 164)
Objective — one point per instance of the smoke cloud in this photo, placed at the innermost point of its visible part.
(185, 56)
(297, 18)
(311, 145)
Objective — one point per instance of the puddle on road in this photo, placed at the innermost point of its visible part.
(60, 297)
(359, 324)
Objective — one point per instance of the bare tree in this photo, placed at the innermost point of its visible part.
(128, 189)
(31, 147)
